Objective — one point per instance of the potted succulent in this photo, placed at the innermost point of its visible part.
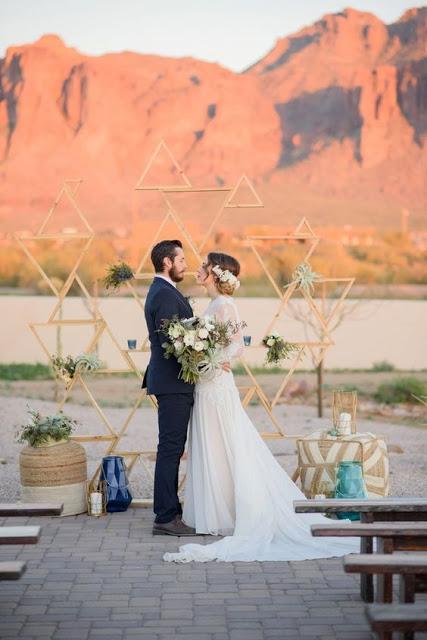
(53, 468)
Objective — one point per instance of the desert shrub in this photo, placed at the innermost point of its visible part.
(400, 390)
(382, 365)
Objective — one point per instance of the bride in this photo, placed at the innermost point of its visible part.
(235, 487)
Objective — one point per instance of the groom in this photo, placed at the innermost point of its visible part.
(174, 396)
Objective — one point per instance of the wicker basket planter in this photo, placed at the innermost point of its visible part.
(55, 472)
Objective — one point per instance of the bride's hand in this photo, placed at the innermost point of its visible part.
(226, 366)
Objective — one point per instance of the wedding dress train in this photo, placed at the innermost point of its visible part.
(234, 485)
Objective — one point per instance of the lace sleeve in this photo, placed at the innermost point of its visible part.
(227, 311)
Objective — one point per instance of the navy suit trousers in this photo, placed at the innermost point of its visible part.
(174, 415)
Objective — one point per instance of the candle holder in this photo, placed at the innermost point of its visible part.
(344, 406)
(131, 344)
(247, 341)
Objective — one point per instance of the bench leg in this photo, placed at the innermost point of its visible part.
(406, 595)
(384, 582)
(366, 579)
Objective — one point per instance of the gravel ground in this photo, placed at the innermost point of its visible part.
(407, 444)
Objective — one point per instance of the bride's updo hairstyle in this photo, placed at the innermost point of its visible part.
(225, 270)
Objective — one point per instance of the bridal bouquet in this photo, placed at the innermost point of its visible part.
(277, 348)
(197, 344)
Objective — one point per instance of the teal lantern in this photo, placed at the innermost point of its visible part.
(350, 485)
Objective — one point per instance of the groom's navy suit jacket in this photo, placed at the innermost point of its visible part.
(163, 302)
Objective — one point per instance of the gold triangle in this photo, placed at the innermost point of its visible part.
(302, 231)
(73, 184)
(67, 192)
(317, 350)
(243, 180)
(304, 227)
(255, 389)
(162, 148)
(340, 300)
(67, 284)
(92, 310)
(172, 216)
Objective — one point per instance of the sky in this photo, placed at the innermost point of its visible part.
(235, 33)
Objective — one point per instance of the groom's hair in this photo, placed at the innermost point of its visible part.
(162, 250)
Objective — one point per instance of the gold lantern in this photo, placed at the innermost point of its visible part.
(344, 406)
(97, 499)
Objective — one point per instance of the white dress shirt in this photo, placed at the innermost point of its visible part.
(160, 275)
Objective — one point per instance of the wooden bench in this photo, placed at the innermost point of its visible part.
(19, 535)
(385, 618)
(11, 570)
(390, 537)
(410, 567)
(36, 509)
(376, 510)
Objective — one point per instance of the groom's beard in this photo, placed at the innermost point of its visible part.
(175, 275)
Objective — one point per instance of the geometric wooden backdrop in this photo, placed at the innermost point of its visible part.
(231, 200)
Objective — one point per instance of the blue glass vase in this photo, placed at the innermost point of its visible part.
(350, 485)
(113, 472)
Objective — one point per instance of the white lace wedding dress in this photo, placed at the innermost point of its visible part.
(234, 485)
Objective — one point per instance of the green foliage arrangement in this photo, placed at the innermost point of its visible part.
(277, 348)
(117, 274)
(41, 428)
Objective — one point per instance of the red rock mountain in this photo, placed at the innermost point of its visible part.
(331, 123)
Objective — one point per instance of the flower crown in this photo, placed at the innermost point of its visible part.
(226, 276)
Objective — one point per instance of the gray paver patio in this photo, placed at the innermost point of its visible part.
(105, 578)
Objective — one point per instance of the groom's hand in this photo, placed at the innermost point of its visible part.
(226, 366)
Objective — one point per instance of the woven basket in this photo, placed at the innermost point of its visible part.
(59, 470)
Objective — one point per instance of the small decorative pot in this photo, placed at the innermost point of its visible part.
(350, 485)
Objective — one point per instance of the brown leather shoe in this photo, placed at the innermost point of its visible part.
(174, 528)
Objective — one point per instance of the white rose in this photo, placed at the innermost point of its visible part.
(270, 342)
(203, 333)
(178, 345)
(209, 326)
(175, 332)
(199, 346)
(189, 338)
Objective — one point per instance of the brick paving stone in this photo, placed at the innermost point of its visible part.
(88, 579)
